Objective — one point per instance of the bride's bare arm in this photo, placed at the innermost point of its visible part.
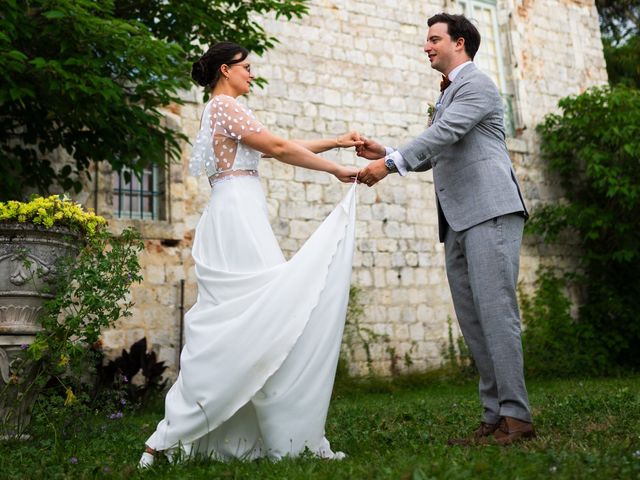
(349, 139)
(290, 152)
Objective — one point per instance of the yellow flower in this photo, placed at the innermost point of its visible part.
(53, 211)
(63, 360)
(71, 398)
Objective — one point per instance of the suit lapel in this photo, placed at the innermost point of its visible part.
(445, 97)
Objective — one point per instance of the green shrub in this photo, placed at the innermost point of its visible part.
(93, 293)
(554, 343)
(594, 147)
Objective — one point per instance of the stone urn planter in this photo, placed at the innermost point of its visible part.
(28, 257)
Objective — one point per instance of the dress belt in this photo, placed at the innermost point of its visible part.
(230, 174)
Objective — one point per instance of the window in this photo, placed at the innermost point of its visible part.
(141, 198)
(483, 13)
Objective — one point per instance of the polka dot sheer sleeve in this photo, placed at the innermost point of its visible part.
(218, 147)
(202, 151)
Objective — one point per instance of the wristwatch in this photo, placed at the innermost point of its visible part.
(388, 162)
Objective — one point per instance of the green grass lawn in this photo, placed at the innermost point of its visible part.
(586, 429)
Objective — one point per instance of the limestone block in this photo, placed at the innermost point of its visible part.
(416, 331)
(113, 339)
(387, 245)
(379, 277)
(281, 171)
(408, 315)
(154, 274)
(424, 313)
(391, 229)
(334, 193)
(382, 329)
(339, 126)
(394, 314)
(375, 229)
(397, 259)
(303, 229)
(364, 278)
(312, 176)
(362, 229)
(436, 276)
(363, 211)
(290, 245)
(296, 192)
(142, 295)
(393, 278)
(374, 314)
(278, 189)
(407, 231)
(411, 259)
(366, 259)
(401, 332)
(407, 276)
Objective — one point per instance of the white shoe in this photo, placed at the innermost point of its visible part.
(146, 460)
(332, 455)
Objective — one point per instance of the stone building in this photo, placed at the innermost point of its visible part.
(359, 65)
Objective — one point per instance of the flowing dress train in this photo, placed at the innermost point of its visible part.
(263, 338)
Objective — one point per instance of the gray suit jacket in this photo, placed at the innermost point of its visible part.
(465, 145)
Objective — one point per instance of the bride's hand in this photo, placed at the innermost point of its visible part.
(346, 174)
(349, 139)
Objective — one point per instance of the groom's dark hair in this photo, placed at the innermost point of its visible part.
(459, 26)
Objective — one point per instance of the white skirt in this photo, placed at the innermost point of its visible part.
(263, 338)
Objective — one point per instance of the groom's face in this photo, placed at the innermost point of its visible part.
(440, 48)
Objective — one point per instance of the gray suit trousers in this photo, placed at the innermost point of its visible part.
(482, 269)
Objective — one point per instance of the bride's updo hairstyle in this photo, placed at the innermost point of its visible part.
(206, 71)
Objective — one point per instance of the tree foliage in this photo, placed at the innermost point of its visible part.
(620, 27)
(619, 19)
(84, 81)
(594, 146)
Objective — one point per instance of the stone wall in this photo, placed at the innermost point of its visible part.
(360, 65)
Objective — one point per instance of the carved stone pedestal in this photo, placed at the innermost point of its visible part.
(28, 257)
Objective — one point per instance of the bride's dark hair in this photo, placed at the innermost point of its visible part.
(206, 71)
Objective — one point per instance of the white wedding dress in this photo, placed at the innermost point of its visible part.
(263, 338)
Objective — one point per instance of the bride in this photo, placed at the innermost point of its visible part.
(263, 338)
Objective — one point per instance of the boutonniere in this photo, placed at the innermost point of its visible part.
(431, 111)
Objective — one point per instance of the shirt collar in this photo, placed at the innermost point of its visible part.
(454, 73)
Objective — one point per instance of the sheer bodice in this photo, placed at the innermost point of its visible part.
(218, 149)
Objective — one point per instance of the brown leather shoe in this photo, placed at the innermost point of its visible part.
(511, 430)
(483, 431)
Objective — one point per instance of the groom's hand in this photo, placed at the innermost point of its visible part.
(370, 149)
(373, 173)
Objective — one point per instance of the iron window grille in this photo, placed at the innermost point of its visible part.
(140, 197)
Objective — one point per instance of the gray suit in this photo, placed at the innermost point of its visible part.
(481, 217)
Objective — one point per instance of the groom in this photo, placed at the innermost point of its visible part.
(481, 216)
